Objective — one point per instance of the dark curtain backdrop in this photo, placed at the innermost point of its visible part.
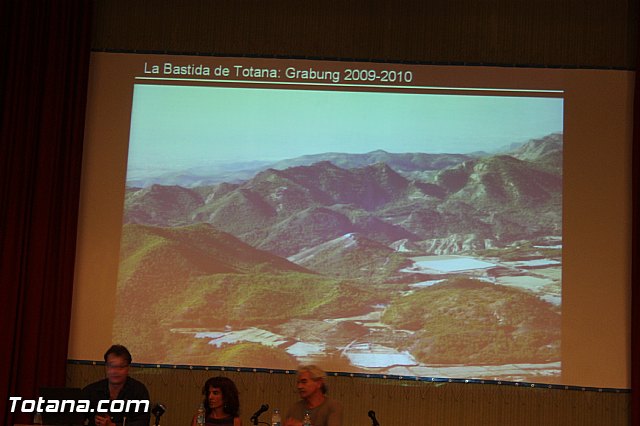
(43, 83)
(43, 90)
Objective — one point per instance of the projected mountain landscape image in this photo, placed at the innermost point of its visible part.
(417, 235)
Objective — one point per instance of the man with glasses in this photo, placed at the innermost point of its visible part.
(112, 393)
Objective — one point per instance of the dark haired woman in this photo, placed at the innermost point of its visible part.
(221, 402)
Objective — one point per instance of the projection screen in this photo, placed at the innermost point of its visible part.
(408, 220)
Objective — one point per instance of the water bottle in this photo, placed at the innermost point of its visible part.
(306, 420)
(200, 419)
(37, 418)
(276, 419)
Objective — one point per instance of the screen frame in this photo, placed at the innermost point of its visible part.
(595, 318)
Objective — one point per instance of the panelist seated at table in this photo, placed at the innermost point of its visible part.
(323, 410)
(118, 386)
(221, 403)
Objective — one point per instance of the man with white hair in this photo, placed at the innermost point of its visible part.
(323, 410)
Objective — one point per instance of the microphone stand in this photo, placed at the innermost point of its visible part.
(254, 421)
(374, 421)
(158, 411)
(256, 415)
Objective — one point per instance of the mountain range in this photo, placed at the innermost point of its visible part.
(327, 236)
(434, 202)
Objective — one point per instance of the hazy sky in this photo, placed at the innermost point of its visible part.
(181, 126)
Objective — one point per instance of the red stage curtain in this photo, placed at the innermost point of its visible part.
(635, 258)
(43, 84)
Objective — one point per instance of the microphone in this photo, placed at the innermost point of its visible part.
(262, 409)
(158, 410)
(374, 421)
